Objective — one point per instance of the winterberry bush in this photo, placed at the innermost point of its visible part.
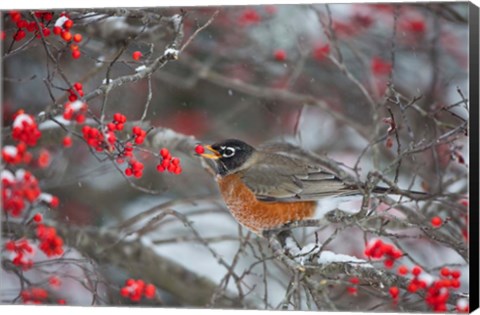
(105, 111)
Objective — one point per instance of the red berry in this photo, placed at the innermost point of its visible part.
(10, 246)
(125, 292)
(402, 270)
(455, 283)
(129, 282)
(160, 168)
(80, 118)
(280, 55)
(412, 287)
(44, 159)
(456, 274)
(19, 35)
(15, 16)
(54, 202)
(136, 130)
(436, 222)
(47, 16)
(68, 24)
(76, 54)
(352, 290)
(354, 280)
(37, 218)
(57, 30)
(416, 271)
(380, 66)
(66, 36)
(78, 86)
(137, 55)
(77, 38)
(199, 149)
(67, 142)
(175, 161)
(321, 51)
(164, 152)
(22, 24)
(389, 263)
(139, 140)
(149, 291)
(445, 272)
(394, 291)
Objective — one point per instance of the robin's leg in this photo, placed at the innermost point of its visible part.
(282, 234)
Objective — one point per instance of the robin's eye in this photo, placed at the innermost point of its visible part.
(228, 152)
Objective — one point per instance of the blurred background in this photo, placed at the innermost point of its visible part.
(327, 77)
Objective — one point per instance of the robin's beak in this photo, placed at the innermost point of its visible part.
(215, 156)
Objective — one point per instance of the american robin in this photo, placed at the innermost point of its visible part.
(273, 185)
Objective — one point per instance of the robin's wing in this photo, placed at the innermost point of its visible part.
(276, 177)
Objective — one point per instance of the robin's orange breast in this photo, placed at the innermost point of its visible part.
(258, 215)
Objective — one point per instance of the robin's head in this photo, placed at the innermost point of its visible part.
(230, 155)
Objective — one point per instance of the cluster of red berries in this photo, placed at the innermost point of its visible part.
(50, 200)
(135, 289)
(30, 26)
(21, 248)
(50, 243)
(169, 163)
(19, 154)
(62, 28)
(134, 168)
(108, 140)
(353, 290)
(34, 295)
(377, 249)
(127, 152)
(17, 190)
(118, 122)
(25, 129)
(394, 292)
(139, 134)
(437, 292)
(16, 154)
(94, 138)
(75, 110)
(77, 90)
